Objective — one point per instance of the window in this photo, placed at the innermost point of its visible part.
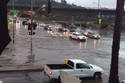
(81, 65)
(71, 63)
(79, 35)
(74, 34)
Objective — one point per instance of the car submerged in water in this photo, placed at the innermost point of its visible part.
(48, 27)
(91, 34)
(77, 36)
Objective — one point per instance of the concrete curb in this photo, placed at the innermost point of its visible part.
(20, 68)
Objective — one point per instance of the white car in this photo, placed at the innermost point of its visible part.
(74, 67)
(77, 36)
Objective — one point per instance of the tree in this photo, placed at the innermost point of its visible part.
(114, 78)
(4, 35)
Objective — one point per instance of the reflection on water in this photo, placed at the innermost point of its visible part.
(86, 44)
(81, 45)
(96, 42)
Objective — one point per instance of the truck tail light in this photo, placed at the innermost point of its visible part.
(50, 73)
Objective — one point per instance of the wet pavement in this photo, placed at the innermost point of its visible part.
(34, 77)
(47, 49)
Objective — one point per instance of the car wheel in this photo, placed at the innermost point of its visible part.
(97, 75)
(84, 40)
(70, 37)
(23, 23)
(79, 39)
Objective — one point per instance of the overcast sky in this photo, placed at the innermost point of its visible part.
(94, 3)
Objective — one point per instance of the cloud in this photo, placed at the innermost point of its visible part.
(94, 3)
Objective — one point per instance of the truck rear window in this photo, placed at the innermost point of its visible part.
(71, 63)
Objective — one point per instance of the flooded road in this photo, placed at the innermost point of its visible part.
(53, 50)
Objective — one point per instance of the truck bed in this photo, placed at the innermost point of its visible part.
(59, 66)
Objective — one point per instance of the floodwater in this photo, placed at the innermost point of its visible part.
(53, 50)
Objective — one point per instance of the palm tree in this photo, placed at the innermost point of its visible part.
(114, 78)
(4, 36)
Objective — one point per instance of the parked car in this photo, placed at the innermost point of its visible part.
(77, 36)
(74, 67)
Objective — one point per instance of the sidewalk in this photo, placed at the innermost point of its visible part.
(8, 61)
(20, 68)
(16, 57)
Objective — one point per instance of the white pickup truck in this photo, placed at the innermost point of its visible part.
(74, 67)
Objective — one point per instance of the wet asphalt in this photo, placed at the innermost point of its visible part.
(48, 49)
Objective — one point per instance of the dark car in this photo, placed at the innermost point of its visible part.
(73, 30)
(92, 35)
(62, 29)
(33, 26)
(47, 27)
(25, 22)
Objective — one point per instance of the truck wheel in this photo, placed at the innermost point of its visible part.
(51, 80)
(97, 75)
(59, 80)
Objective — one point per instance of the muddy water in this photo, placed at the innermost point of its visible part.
(54, 50)
(50, 50)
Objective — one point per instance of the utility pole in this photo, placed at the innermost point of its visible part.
(31, 39)
(13, 23)
(99, 14)
(114, 77)
(31, 48)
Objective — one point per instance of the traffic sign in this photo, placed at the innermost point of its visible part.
(15, 13)
(29, 21)
(100, 21)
